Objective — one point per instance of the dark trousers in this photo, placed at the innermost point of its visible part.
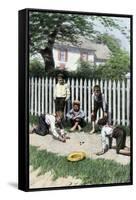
(42, 128)
(79, 120)
(60, 104)
(97, 106)
(120, 135)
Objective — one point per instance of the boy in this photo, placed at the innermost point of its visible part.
(98, 102)
(76, 116)
(107, 133)
(51, 124)
(62, 94)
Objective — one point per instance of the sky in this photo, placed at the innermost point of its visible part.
(123, 22)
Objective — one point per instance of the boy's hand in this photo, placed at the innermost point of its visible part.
(100, 153)
(62, 139)
(92, 113)
(105, 114)
(66, 137)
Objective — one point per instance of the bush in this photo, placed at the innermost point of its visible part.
(36, 68)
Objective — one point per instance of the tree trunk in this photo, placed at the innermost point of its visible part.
(47, 55)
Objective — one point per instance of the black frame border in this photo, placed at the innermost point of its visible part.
(23, 98)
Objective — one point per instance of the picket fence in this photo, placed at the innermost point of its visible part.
(117, 95)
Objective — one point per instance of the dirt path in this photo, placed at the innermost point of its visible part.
(46, 180)
(79, 141)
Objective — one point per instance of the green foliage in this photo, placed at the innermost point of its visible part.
(33, 119)
(36, 68)
(116, 67)
(99, 171)
(85, 69)
(118, 64)
(46, 28)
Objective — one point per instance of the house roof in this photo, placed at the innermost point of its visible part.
(101, 51)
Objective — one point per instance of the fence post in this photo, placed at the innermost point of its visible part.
(128, 100)
(35, 97)
(123, 102)
(50, 95)
(72, 91)
(39, 96)
(85, 99)
(77, 88)
(46, 96)
(54, 85)
(118, 102)
(89, 100)
(32, 94)
(43, 95)
(114, 102)
(81, 100)
(110, 90)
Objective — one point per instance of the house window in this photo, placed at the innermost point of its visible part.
(84, 56)
(62, 55)
(61, 66)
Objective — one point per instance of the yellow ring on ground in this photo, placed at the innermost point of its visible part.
(76, 156)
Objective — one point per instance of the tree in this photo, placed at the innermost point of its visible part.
(117, 66)
(47, 27)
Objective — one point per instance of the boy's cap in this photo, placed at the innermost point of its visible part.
(97, 87)
(60, 76)
(103, 121)
(76, 102)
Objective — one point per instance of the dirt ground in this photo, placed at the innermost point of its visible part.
(79, 141)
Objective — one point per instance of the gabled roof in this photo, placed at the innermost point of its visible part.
(101, 51)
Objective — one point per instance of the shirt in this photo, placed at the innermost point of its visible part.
(106, 131)
(73, 114)
(99, 99)
(50, 121)
(62, 91)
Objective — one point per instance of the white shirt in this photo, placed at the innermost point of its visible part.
(106, 131)
(62, 91)
(50, 120)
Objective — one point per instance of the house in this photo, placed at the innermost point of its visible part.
(67, 55)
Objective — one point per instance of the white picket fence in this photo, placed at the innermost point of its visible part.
(117, 95)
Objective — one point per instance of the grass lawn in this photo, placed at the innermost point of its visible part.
(90, 171)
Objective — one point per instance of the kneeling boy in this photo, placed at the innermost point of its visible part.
(108, 133)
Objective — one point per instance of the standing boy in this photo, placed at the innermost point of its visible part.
(98, 102)
(62, 94)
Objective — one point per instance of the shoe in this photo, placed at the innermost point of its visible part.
(100, 153)
(72, 129)
(92, 131)
(79, 128)
(33, 131)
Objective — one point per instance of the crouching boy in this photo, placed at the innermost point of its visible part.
(108, 133)
(76, 116)
(51, 124)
